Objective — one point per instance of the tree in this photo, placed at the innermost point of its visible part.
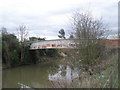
(33, 38)
(62, 34)
(41, 39)
(22, 34)
(9, 49)
(71, 36)
(88, 31)
(36, 39)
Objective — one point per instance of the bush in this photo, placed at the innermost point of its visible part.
(90, 54)
(14, 58)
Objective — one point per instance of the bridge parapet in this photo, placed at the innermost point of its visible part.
(52, 44)
(68, 43)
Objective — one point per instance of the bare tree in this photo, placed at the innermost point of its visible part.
(71, 36)
(22, 35)
(88, 31)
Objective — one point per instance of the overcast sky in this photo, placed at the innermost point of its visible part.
(44, 18)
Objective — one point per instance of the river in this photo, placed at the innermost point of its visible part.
(39, 75)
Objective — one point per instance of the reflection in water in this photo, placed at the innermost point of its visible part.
(22, 85)
(64, 74)
(37, 76)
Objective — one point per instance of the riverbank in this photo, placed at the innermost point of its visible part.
(42, 59)
(102, 75)
(54, 72)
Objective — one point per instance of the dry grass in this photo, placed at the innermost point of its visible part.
(108, 68)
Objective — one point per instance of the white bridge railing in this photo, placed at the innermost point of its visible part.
(51, 44)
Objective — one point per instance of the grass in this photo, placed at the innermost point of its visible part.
(109, 69)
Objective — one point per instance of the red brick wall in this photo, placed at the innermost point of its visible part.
(111, 43)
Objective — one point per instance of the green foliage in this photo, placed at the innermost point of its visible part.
(48, 52)
(88, 31)
(36, 39)
(90, 54)
(17, 52)
(71, 36)
(27, 56)
(10, 49)
(52, 52)
(14, 58)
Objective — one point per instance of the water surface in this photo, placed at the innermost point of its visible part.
(38, 75)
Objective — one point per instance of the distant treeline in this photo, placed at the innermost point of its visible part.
(16, 52)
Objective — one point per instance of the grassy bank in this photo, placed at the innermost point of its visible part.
(103, 75)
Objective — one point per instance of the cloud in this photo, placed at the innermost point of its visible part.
(46, 17)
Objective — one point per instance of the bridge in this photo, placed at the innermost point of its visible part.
(68, 43)
(53, 44)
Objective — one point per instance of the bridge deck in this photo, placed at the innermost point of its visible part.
(69, 43)
(51, 44)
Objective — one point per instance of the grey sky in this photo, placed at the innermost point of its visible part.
(44, 18)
